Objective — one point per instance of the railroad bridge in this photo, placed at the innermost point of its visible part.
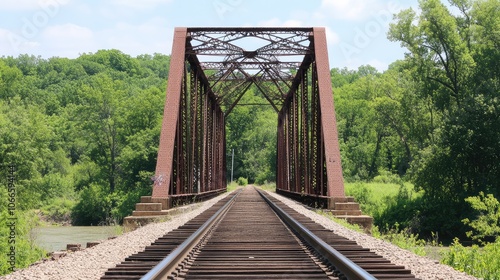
(210, 70)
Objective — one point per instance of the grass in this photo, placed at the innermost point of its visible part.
(232, 186)
(378, 191)
(482, 262)
(374, 197)
(58, 211)
(270, 187)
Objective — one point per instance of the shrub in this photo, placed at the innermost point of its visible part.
(92, 208)
(362, 194)
(387, 177)
(402, 238)
(487, 223)
(26, 251)
(242, 181)
(481, 262)
(59, 210)
(232, 186)
(124, 204)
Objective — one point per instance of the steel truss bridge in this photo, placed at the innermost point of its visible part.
(210, 70)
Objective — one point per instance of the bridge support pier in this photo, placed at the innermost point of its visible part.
(156, 209)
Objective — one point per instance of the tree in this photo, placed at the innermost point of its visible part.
(251, 132)
(456, 66)
(487, 223)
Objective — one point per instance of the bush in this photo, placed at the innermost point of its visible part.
(387, 177)
(480, 262)
(93, 208)
(232, 186)
(401, 210)
(26, 250)
(125, 204)
(59, 210)
(242, 181)
(362, 194)
(402, 238)
(487, 223)
(268, 186)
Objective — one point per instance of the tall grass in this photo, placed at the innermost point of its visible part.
(26, 251)
(392, 203)
(482, 262)
(375, 197)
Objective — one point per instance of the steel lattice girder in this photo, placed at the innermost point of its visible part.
(211, 70)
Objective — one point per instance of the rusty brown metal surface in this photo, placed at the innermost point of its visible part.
(191, 156)
(308, 150)
(211, 70)
(165, 161)
(328, 119)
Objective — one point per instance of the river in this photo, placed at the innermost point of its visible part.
(55, 238)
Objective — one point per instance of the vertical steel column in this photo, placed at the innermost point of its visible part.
(328, 119)
(191, 156)
(304, 127)
(165, 158)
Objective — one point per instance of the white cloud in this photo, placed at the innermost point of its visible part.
(67, 31)
(381, 66)
(142, 5)
(67, 40)
(13, 44)
(348, 9)
(154, 35)
(331, 36)
(18, 5)
(275, 22)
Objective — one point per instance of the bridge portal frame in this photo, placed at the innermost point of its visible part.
(191, 155)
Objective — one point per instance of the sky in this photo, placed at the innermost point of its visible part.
(356, 29)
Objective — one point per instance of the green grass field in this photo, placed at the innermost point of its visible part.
(378, 191)
(375, 196)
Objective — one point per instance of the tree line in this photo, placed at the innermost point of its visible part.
(82, 129)
(433, 118)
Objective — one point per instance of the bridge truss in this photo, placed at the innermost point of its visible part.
(210, 71)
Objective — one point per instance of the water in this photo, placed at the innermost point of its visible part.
(55, 238)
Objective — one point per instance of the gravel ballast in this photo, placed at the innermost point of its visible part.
(91, 263)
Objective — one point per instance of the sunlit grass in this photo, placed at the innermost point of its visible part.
(232, 186)
(270, 187)
(482, 262)
(379, 191)
(374, 197)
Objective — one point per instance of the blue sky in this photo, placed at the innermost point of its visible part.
(67, 28)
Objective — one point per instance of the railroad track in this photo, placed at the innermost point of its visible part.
(249, 235)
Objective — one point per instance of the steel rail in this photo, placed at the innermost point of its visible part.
(347, 267)
(164, 268)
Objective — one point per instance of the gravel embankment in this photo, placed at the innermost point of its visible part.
(93, 262)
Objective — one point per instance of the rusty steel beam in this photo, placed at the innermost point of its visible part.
(164, 161)
(191, 156)
(328, 119)
(307, 132)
